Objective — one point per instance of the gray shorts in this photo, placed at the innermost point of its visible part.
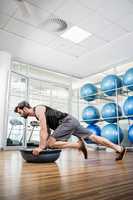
(70, 126)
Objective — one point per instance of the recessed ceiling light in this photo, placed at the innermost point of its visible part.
(76, 34)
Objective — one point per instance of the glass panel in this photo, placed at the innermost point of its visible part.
(60, 98)
(20, 68)
(16, 124)
(33, 130)
(38, 92)
(41, 92)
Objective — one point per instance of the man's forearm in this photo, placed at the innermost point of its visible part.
(43, 139)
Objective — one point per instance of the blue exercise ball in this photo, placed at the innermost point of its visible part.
(93, 129)
(130, 133)
(90, 115)
(110, 83)
(111, 131)
(88, 92)
(110, 112)
(128, 79)
(128, 107)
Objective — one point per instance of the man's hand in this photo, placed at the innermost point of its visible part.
(36, 151)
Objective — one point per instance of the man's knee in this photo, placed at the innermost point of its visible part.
(51, 141)
(93, 137)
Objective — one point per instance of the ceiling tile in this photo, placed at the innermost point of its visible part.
(107, 20)
(93, 43)
(95, 23)
(73, 12)
(8, 7)
(42, 36)
(114, 10)
(49, 5)
(112, 33)
(19, 28)
(111, 55)
(35, 16)
(60, 42)
(33, 53)
(67, 47)
(76, 50)
(3, 20)
(130, 1)
(127, 22)
(94, 4)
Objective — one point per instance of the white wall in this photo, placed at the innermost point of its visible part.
(5, 63)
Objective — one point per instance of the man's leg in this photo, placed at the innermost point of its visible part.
(59, 138)
(105, 142)
(85, 133)
(53, 143)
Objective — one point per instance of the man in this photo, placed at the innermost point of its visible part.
(64, 125)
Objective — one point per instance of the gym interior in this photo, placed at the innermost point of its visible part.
(74, 56)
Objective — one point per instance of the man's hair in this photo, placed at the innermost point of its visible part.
(21, 105)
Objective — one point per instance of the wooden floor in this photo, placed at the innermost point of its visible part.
(70, 178)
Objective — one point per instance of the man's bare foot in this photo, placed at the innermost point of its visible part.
(121, 154)
(83, 148)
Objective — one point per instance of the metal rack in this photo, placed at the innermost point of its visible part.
(123, 92)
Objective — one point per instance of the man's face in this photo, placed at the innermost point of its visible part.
(23, 112)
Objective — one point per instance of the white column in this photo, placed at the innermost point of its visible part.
(5, 64)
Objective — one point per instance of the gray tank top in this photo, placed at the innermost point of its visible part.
(53, 116)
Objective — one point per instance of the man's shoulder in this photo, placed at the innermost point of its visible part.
(40, 107)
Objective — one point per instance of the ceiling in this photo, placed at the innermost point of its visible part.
(109, 21)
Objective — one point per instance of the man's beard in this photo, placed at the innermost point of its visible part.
(25, 116)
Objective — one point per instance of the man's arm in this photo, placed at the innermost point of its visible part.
(40, 113)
